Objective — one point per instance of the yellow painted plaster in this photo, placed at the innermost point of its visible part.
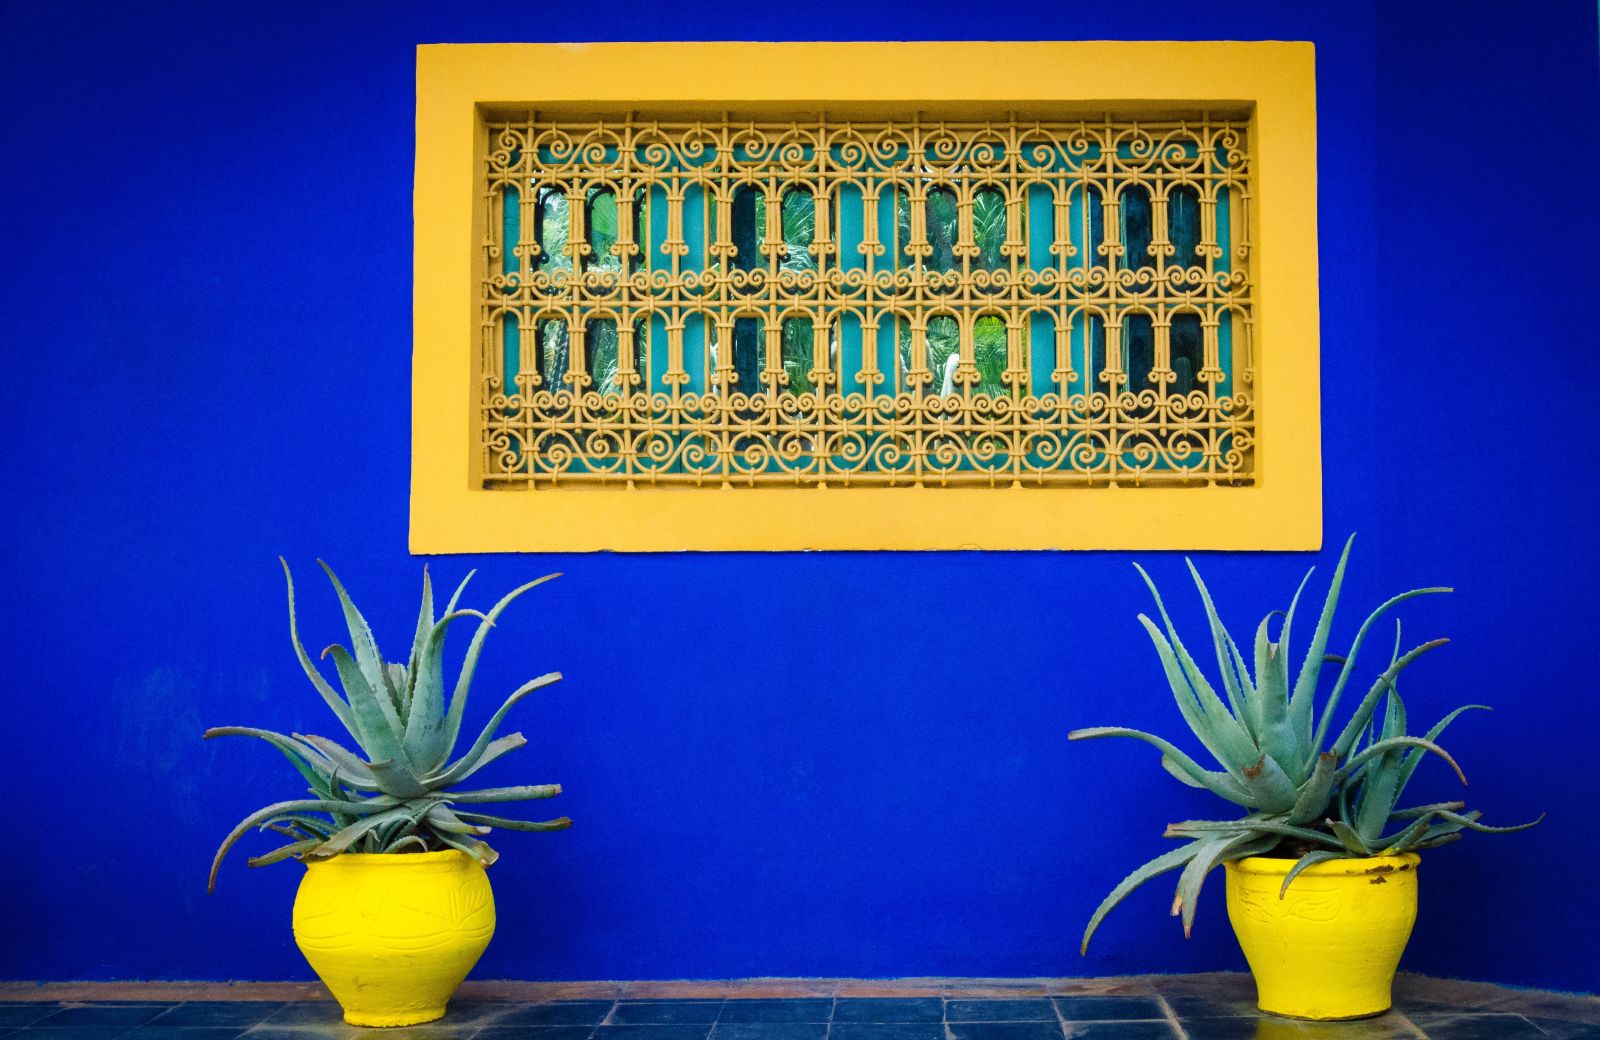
(1274, 81)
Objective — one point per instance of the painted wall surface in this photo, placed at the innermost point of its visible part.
(801, 764)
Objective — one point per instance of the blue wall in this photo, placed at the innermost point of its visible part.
(783, 764)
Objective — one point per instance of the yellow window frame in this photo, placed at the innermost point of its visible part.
(452, 511)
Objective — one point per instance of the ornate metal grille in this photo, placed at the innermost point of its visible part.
(800, 302)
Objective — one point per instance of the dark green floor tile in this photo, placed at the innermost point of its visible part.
(559, 1013)
(104, 1016)
(305, 1013)
(888, 1009)
(806, 1009)
(1035, 1010)
(886, 1031)
(1479, 1027)
(243, 1013)
(1560, 1029)
(1390, 1026)
(69, 1032)
(1050, 1030)
(533, 1031)
(662, 1012)
(21, 1014)
(658, 1031)
(1098, 1009)
(1206, 1007)
(155, 1032)
(769, 1031)
(1143, 1030)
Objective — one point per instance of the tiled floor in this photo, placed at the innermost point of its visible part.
(1196, 1007)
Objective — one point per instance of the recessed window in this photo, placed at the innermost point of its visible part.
(743, 301)
(748, 296)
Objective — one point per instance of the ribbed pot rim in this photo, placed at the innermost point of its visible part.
(391, 859)
(1328, 868)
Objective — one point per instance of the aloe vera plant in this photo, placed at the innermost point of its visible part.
(403, 792)
(1311, 787)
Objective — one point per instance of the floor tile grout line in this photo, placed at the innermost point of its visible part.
(1172, 1016)
(1061, 1022)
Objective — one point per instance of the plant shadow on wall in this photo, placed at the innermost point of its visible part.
(395, 908)
(1321, 871)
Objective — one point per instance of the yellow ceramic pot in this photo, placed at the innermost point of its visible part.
(1329, 948)
(393, 935)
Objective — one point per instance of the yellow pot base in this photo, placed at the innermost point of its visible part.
(1327, 950)
(392, 936)
(1331, 1018)
(399, 1018)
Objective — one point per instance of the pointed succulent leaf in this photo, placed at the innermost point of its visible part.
(1301, 702)
(1402, 841)
(1177, 771)
(1331, 707)
(1470, 822)
(465, 767)
(390, 834)
(1310, 859)
(1349, 838)
(458, 698)
(1219, 638)
(471, 846)
(1263, 652)
(1424, 810)
(559, 824)
(1379, 784)
(310, 824)
(397, 681)
(356, 831)
(1194, 875)
(1414, 758)
(1275, 733)
(450, 608)
(261, 815)
(1242, 670)
(481, 745)
(1249, 825)
(306, 760)
(341, 710)
(353, 771)
(380, 729)
(1220, 733)
(1269, 786)
(1313, 796)
(362, 643)
(506, 794)
(1284, 636)
(1219, 783)
(283, 852)
(1227, 732)
(406, 842)
(1384, 684)
(1170, 860)
(1392, 744)
(441, 819)
(397, 778)
(424, 629)
(425, 730)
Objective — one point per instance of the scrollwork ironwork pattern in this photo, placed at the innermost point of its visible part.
(862, 303)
